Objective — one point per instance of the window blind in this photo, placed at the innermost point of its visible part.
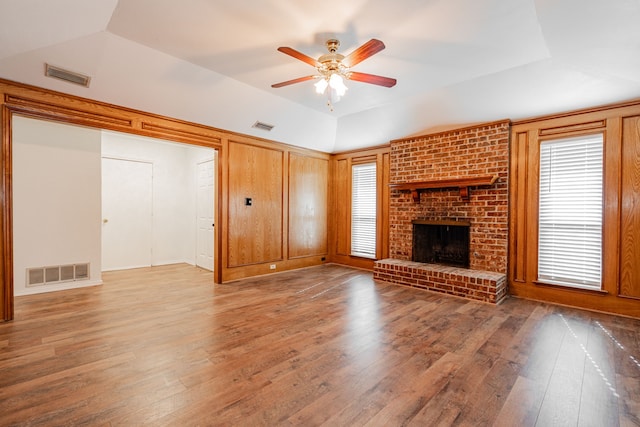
(570, 212)
(363, 210)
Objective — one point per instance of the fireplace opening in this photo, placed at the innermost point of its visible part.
(441, 242)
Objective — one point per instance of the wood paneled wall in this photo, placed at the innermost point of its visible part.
(620, 125)
(340, 205)
(630, 209)
(255, 205)
(308, 205)
(285, 226)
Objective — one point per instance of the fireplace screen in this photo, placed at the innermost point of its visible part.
(441, 242)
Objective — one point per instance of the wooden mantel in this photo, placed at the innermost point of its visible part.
(462, 184)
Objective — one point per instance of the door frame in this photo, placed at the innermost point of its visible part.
(33, 102)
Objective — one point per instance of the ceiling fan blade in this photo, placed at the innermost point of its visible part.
(368, 49)
(372, 78)
(290, 82)
(299, 55)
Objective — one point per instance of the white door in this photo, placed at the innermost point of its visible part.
(126, 214)
(204, 220)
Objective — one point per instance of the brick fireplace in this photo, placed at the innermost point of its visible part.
(459, 175)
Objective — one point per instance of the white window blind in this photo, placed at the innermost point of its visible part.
(363, 210)
(570, 212)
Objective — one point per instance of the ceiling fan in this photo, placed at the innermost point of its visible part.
(333, 68)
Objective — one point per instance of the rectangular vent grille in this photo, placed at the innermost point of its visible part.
(39, 276)
(67, 76)
(263, 126)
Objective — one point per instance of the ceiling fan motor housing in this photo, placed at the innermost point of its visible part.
(332, 61)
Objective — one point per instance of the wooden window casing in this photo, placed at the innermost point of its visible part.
(363, 210)
(340, 205)
(620, 126)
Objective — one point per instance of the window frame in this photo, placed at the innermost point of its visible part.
(567, 282)
(373, 207)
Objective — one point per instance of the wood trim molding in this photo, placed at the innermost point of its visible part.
(40, 109)
(195, 137)
(33, 101)
(384, 148)
(579, 128)
(6, 240)
(569, 114)
(462, 184)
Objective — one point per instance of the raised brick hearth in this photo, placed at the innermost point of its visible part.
(484, 286)
(463, 155)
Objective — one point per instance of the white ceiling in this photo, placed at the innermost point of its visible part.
(213, 61)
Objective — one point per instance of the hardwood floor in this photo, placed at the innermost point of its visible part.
(324, 345)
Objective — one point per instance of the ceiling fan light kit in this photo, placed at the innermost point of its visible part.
(334, 68)
(337, 83)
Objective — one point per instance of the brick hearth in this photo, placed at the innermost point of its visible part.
(479, 285)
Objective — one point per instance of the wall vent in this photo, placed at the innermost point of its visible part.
(263, 126)
(35, 276)
(67, 76)
(67, 273)
(39, 276)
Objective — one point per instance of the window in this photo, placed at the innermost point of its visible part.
(570, 212)
(363, 210)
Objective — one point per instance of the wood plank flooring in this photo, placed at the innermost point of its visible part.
(320, 346)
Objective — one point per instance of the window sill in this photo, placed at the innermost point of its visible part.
(364, 256)
(567, 287)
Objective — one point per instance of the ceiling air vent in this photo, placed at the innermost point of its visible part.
(67, 76)
(263, 126)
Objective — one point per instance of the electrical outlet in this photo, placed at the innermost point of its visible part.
(272, 266)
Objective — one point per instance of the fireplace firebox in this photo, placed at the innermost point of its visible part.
(441, 242)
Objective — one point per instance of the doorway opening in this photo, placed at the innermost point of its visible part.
(179, 200)
(62, 215)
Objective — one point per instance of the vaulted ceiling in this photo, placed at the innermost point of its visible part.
(457, 62)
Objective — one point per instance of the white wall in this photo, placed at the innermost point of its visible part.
(174, 191)
(56, 200)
